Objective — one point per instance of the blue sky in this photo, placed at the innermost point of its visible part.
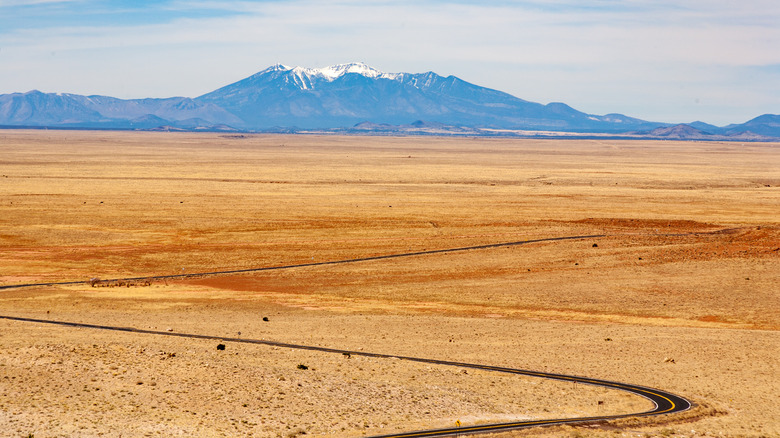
(671, 61)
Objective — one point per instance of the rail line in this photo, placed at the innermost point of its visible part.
(305, 265)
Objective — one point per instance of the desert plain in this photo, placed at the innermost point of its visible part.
(680, 292)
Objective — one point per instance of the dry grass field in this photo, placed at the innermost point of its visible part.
(681, 293)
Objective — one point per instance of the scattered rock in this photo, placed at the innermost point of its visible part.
(265, 318)
(302, 367)
(221, 347)
(595, 245)
(164, 355)
(668, 360)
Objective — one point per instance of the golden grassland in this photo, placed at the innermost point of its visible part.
(688, 269)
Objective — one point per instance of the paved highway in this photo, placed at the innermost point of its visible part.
(665, 402)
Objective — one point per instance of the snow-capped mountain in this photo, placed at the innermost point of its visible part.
(338, 96)
(347, 94)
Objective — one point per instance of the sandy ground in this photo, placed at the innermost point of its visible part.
(681, 293)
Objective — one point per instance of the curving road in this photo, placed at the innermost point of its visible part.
(665, 402)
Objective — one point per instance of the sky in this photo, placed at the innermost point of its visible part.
(669, 61)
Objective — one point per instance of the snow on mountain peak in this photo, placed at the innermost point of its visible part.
(277, 67)
(333, 72)
(306, 78)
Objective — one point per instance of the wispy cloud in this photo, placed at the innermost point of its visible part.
(589, 54)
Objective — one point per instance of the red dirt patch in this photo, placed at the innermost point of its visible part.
(651, 224)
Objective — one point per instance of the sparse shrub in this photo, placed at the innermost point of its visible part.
(295, 433)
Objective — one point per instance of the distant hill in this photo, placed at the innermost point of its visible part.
(766, 125)
(706, 127)
(681, 131)
(353, 97)
(35, 108)
(688, 132)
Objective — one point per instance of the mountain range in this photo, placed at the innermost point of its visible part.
(352, 97)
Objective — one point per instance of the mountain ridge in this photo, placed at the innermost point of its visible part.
(339, 97)
(346, 94)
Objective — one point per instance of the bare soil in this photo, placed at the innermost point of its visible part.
(681, 293)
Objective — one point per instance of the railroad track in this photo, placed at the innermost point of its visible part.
(305, 265)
